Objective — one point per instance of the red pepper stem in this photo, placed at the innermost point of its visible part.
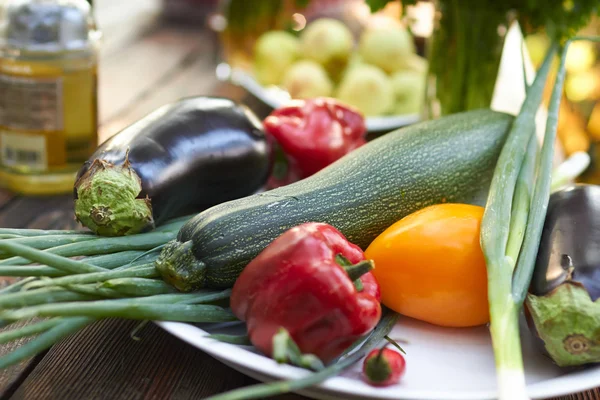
(285, 350)
(359, 269)
(380, 354)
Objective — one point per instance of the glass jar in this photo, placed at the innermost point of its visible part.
(48, 93)
(464, 55)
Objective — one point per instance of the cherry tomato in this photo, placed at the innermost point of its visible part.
(383, 367)
(430, 266)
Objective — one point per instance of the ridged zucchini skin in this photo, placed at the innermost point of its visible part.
(451, 159)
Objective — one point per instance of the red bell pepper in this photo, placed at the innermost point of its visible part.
(299, 283)
(314, 133)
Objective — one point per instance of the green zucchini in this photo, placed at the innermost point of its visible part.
(451, 159)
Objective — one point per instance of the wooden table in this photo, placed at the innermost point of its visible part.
(145, 63)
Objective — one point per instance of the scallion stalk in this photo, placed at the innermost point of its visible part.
(69, 325)
(28, 330)
(49, 259)
(39, 232)
(124, 309)
(105, 245)
(541, 193)
(46, 242)
(141, 271)
(521, 202)
(42, 296)
(495, 228)
(138, 286)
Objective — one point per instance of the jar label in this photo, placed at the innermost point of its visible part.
(31, 104)
(22, 150)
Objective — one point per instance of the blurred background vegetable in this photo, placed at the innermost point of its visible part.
(436, 29)
(327, 48)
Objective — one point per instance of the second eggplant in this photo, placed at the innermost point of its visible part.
(563, 303)
(180, 159)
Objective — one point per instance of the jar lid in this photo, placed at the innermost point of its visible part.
(47, 25)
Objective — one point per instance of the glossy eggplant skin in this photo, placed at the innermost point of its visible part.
(192, 154)
(570, 244)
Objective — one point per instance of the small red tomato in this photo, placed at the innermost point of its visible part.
(383, 367)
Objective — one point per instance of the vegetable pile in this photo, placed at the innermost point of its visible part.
(289, 262)
(141, 276)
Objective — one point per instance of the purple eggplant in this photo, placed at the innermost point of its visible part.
(562, 304)
(181, 159)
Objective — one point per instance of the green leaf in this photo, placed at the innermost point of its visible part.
(302, 3)
(377, 5)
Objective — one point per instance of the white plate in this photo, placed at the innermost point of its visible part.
(276, 97)
(442, 364)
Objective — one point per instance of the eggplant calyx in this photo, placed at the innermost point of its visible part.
(108, 200)
(568, 322)
(180, 268)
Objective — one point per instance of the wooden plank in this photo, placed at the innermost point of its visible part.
(12, 376)
(43, 213)
(60, 217)
(194, 76)
(6, 198)
(123, 22)
(103, 362)
(133, 71)
(21, 212)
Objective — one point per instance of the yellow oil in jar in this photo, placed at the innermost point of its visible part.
(48, 114)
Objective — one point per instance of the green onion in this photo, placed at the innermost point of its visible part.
(541, 194)
(9, 236)
(495, 226)
(42, 296)
(73, 324)
(29, 330)
(109, 261)
(44, 341)
(144, 241)
(241, 340)
(27, 270)
(52, 260)
(124, 309)
(172, 225)
(45, 242)
(14, 287)
(94, 291)
(114, 260)
(521, 203)
(138, 286)
(502, 247)
(141, 271)
(40, 232)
